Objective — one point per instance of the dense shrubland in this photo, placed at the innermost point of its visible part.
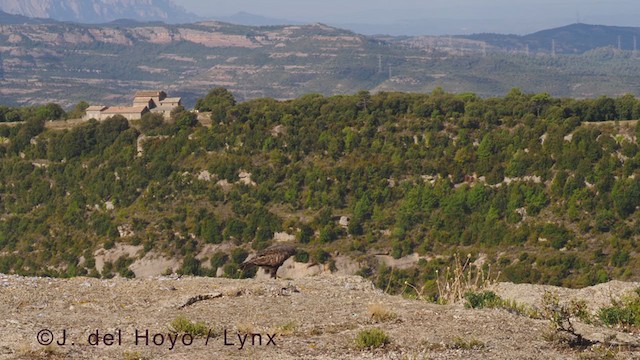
(522, 179)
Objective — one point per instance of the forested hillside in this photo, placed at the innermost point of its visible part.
(524, 180)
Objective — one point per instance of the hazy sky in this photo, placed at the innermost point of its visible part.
(520, 13)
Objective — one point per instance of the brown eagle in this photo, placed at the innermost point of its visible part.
(270, 258)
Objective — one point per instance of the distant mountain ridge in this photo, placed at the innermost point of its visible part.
(11, 19)
(64, 62)
(99, 11)
(571, 39)
(245, 18)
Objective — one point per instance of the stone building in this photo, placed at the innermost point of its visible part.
(149, 98)
(94, 112)
(129, 112)
(143, 102)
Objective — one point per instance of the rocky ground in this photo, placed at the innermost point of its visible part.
(310, 318)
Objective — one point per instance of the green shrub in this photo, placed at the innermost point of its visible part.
(190, 266)
(321, 256)
(151, 121)
(625, 313)
(238, 255)
(218, 259)
(301, 256)
(182, 325)
(231, 270)
(481, 300)
(617, 315)
(371, 339)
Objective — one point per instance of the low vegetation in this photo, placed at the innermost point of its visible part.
(380, 313)
(485, 299)
(372, 339)
(466, 344)
(128, 355)
(182, 325)
(287, 329)
(624, 314)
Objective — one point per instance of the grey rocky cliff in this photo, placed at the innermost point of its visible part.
(99, 11)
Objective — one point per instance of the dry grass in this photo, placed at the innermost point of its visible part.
(287, 329)
(461, 278)
(133, 356)
(380, 313)
(49, 352)
(245, 329)
(457, 280)
(464, 344)
(64, 124)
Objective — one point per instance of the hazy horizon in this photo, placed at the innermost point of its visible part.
(437, 16)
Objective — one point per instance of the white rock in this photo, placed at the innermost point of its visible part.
(204, 175)
(245, 178)
(283, 237)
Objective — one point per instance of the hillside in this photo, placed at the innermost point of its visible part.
(391, 186)
(311, 318)
(66, 63)
(98, 11)
(106, 63)
(6, 19)
(571, 39)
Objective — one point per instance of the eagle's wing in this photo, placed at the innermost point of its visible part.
(271, 257)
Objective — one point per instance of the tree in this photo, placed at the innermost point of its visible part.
(602, 109)
(217, 101)
(364, 99)
(539, 102)
(78, 111)
(108, 131)
(190, 266)
(210, 230)
(150, 122)
(625, 105)
(626, 196)
(186, 119)
(306, 234)
(50, 112)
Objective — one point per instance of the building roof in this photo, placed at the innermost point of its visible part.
(163, 108)
(96, 108)
(125, 110)
(152, 93)
(171, 100)
(144, 102)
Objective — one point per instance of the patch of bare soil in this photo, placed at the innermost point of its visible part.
(308, 318)
(63, 124)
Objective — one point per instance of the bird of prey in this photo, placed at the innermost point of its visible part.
(271, 258)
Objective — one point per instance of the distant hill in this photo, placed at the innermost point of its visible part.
(99, 11)
(570, 39)
(44, 60)
(11, 19)
(244, 18)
